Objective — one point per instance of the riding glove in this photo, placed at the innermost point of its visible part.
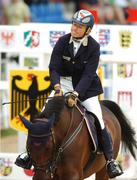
(72, 99)
(58, 91)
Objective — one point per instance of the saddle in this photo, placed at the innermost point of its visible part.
(93, 127)
(94, 130)
(92, 123)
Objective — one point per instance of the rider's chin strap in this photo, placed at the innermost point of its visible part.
(88, 31)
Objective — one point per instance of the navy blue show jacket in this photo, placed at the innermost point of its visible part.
(82, 67)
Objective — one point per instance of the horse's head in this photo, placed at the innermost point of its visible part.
(40, 145)
(41, 136)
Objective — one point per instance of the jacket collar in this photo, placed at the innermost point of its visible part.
(83, 41)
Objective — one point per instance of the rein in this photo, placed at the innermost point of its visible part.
(50, 166)
(66, 143)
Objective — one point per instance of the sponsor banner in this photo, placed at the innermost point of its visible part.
(31, 39)
(8, 170)
(41, 37)
(54, 36)
(124, 91)
(32, 35)
(53, 33)
(10, 39)
(125, 70)
(125, 99)
(29, 90)
(117, 43)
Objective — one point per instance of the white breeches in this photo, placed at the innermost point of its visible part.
(91, 104)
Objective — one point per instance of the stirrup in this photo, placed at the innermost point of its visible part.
(113, 168)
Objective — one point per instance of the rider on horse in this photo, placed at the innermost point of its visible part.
(73, 65)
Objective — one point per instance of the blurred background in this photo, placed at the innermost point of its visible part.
(61, 11)
(115, 29)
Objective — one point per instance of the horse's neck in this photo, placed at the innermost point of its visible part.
(68, 122)
(61, 126)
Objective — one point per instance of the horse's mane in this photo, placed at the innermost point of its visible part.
(54, 105)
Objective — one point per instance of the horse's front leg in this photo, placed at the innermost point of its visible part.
(71, 177)
(72, 174)
(102, 174)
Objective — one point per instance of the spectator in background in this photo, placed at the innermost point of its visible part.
(131, 12)
(112, 13)
(120, 7)
(3, 3)
(107, 11)
(1, 13)
(16, 12)
(133, 4)
(70, 6)
(93, 5)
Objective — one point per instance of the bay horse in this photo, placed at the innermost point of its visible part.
(60, 146)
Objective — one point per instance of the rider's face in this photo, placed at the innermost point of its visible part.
(78, 30)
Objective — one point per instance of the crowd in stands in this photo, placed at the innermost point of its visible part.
(13, 12)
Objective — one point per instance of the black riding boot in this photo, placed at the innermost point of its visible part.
(113, 168)
(24, 161)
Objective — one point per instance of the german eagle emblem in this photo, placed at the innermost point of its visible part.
(29, 91)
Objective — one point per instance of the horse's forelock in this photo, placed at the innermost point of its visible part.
(54, 105)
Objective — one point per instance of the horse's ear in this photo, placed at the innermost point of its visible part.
(26, 122)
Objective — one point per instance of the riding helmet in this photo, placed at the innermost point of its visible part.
(84, 17)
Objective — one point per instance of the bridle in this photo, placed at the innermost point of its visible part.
(44, 166)
(50, 166)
